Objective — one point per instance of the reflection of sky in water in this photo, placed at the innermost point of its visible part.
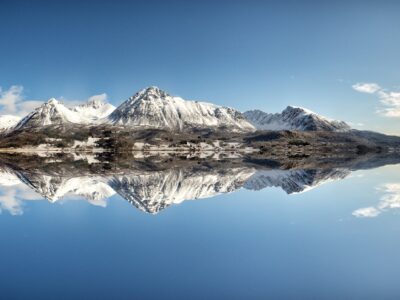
(246, 244)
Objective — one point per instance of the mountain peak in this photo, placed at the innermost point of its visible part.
(298, 109)
(149, 93)
(153, 89)
(52, 101)
(154, 108)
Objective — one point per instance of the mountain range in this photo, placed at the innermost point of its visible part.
(154, 120)
(153, 108)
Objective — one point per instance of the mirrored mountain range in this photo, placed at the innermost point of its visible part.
(153, 183)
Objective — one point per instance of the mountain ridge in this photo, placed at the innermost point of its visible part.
(54, 112)
(294, 118)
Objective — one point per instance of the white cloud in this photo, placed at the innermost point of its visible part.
(10, 98)
(389, 200)
(12, 101)
(390, 100)
(368, 88)
(392, 112)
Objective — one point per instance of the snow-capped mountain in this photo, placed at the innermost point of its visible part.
(8, 122)
(154, 108)
(54, 112)
(294, 118)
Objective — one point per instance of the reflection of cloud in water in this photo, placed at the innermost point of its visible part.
(389, 200)
(12, 197)
(12, 187)
(368, 212)
(9, 202)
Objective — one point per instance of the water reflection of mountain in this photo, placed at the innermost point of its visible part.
(293, 181)
(152, 184)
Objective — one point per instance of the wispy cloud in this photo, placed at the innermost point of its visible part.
(13, 101)
(390, 100)
(389, 200)
(368, 88)
(10, 98)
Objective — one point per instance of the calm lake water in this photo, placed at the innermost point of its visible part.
(338, 239)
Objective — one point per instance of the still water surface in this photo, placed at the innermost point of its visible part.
(338, 239)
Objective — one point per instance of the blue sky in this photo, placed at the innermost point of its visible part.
(244, 54)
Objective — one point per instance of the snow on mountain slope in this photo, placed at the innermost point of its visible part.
(153, 108)
(150, 191)
(93, 110)
(293, 181)
(49, 113)
(155, 190)
(92, 188)
(8, 177)
(294, 118)
(8, 121)
(54, 112)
